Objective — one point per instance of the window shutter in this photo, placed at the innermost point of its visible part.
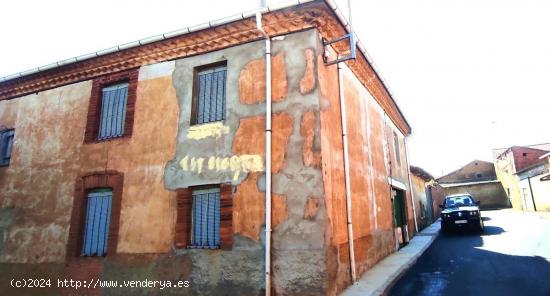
(183, 219)
(226, 216)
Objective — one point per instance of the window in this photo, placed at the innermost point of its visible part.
(209, 95)
(396, 145)
(113, 111)
(205, 218)
(112, 106)
(6, 144)
(479, 175)
(98, 214)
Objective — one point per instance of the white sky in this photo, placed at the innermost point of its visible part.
(469, 75)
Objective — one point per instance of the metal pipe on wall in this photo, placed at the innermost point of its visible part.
(268, 115)
(343, 118)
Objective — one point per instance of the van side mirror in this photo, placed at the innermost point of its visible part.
(477, 202)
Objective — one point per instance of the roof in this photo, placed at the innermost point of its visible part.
(525, 157)
(279, 19)
(420, 172)
(474, 171)
(447, 185)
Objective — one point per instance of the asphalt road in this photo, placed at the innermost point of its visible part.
(511, 257)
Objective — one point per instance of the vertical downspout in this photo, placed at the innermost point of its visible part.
(532, 196)
(268, 115)
(346, 170)
(410, 184)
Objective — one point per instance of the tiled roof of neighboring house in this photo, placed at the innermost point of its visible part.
(525, 157)
(420, 172)
(277, 20)
(474, 171)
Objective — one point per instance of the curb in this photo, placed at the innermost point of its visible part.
(392, 280)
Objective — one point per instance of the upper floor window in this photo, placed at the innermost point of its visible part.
(205, 218)
(98, 216)
(209, 94)
(6, 144)
(113, 111)
(112, 106)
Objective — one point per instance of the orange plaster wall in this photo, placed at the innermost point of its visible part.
(148, 209)
(252, 80)
(38, 185)
(249, 201)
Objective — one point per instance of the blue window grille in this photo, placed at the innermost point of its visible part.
(113, 111)
(205, 223)
(6, 144)
(211, 95)
(98, 216)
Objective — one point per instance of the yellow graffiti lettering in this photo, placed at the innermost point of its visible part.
(183, 163)
(202, 131)
(235, 164)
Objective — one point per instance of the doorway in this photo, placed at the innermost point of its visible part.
(400, 217)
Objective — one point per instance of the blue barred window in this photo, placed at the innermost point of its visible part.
(205, 224)
(113, 111)
(6, 144)
(98, 216)
(210, 97)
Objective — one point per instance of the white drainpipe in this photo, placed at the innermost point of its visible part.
(346, 170)
(268, 115)
(410, 185)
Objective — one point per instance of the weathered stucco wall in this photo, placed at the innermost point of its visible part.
(38, 186)
(298, 209)
(370, 138)
(490, 195)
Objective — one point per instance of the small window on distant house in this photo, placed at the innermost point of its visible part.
(205, 223)
(396, 144)
(479, 175)
(113, 111)
(524, 154)
(98, 216)
(6, 144)
(209, 94)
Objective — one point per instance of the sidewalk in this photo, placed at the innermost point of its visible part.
(379, 278)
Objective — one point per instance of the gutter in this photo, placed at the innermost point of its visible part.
(237, 17)
(268, 116)
(343, 118)
(410, 184)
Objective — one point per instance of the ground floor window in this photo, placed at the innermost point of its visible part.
(98, 216)
(205, 223)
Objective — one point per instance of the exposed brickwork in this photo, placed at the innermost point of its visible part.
(94, 111)
(184, 211)
(280, 22)
(183, 219)
(86, 268)
(106, 179)
(226, 216)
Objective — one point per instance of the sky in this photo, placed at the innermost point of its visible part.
(469, 75)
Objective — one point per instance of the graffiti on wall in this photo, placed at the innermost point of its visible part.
(235, 164)
(202, 131)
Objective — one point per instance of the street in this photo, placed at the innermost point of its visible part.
(511, 257)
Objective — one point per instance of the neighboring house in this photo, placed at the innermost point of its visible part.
(479, 179)
(507, 166)
(148, 161)
(534, 185)
(428, 195)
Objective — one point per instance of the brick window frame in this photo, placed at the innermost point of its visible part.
(85, 183)
(184, 198)
(94, 109)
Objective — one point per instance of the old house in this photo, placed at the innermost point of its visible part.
(479, 179)
(534, 185)
(428, 195)
(513, 161)
(153, 160)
